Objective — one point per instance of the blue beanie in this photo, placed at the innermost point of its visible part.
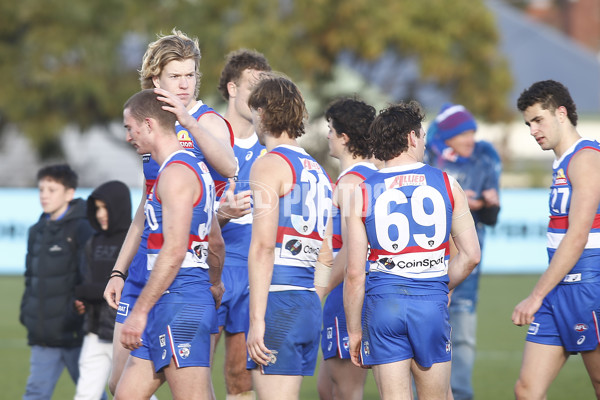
(453, 120)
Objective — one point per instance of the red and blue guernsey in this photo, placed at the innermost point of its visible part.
(237, 232)
(334, 317)
(588, 265)
(363, 170)
(408, 217)
(304, 212)
(194, 269)
(188, 143)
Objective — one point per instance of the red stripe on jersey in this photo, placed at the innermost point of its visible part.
(449, 189)
(197, 176)
(149, 185)
(376, 253)
(291, 168)
(195, 238)
(361, 176)
(562, 222)
(155, 241)
(336, 241)
(231, 136)
(365, 198)
(569, 163)
(220, 188)
(284, 230)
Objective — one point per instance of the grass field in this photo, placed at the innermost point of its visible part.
(500, 345)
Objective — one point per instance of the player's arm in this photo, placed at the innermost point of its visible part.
(584, 174)
(324, 264)
(215, 260)
(465, 239)
(344, 190)
(210, 133)
(266, 180)
(178, 190)
(131, 244)
(354, 280)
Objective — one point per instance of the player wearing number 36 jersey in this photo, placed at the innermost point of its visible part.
(292, 209)
(406, 212)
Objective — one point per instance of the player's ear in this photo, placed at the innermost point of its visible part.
(232, 89)
(156, 81)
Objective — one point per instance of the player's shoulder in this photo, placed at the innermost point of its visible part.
(269, 163)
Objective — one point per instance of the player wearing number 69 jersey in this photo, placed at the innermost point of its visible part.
(292, 209)
(406, 212)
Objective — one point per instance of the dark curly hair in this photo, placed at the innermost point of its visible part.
(237, 62)
(282, 104)
(550, 95)
(390, 130)
(352, 117)
(61, 173)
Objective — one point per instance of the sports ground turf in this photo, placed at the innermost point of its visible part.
(500, 345)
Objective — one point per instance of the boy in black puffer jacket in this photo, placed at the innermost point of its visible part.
(109, 212)
(52, 270)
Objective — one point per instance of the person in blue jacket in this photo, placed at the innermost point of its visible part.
(476, 166)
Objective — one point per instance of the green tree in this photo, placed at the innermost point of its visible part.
(74, 62)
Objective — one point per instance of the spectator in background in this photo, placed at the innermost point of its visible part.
(476, 166)
(109, 213)
(55, 248)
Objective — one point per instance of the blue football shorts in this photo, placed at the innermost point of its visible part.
(180, 331)
(568, 317)
(334, 337)
(292, 327)
(136, 279)
(233, 314)
(398, 327)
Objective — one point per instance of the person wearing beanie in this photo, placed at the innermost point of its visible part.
(451, 146)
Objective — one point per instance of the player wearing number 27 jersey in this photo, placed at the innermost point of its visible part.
(406, 212)
(569, 314)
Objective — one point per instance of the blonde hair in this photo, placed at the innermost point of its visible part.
(177, 46)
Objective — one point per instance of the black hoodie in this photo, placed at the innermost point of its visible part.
(101, 253)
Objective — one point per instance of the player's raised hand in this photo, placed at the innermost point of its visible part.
(234, 205)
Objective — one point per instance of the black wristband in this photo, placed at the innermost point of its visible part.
(117, 276)
(116, 272)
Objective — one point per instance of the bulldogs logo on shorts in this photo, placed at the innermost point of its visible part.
(273, 357)
(184, 350)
